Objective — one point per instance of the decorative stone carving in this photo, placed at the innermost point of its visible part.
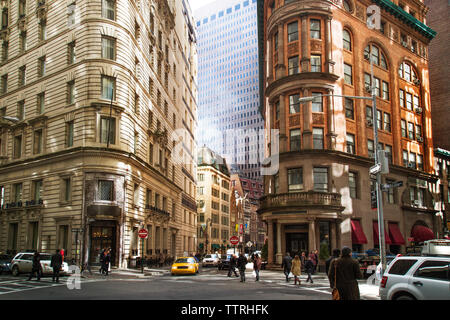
(318, 118)
(294, 120)
(361, 12)
(316, 46)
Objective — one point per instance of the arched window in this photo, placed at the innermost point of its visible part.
(347, 6)
(407, 72)
(347, 39)
(376, 55)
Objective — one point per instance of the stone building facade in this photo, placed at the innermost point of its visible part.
(98, 114)
(213, 202)
(322, 190)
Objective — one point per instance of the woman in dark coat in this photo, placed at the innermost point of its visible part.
(347, 273)
(241, 264)
(309, 268)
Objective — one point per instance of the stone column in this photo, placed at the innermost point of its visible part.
(307, 122)
(329, 46)
(280, 68)
(270, 53)
(270, 242)
(279, 256)
(312, 236)
(333, 240)
(283, 136)
(305, 60)
(153, 240)
(331, 134)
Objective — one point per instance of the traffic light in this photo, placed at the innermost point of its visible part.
(373, 199)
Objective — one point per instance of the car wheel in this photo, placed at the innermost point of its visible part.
(405, 297)
(15, 271)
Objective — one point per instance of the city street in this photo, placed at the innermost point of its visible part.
(209, 284)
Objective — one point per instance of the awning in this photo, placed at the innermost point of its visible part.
(358, 236)
(421, 233)
(395, 234)
(376, 237)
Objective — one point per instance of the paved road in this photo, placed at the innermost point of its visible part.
(210, 284)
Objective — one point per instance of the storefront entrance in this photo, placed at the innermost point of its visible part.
(102, 237)
(296, 243)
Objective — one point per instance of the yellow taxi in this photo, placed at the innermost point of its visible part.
(185, 265)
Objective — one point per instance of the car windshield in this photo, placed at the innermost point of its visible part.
(185, 260)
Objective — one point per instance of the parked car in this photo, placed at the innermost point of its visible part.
(5, 263)
(211, 260)
(416, 278)
(185, 265)
(23, 262)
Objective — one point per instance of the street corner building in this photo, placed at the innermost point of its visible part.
(321, 193)
(98, 114)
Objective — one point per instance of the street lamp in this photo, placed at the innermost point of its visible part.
(378, 164)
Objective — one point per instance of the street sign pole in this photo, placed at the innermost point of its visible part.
(378, 174)
(142, 258)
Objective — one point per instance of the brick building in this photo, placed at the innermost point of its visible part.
(322, 190)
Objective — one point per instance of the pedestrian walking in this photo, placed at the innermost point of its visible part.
(56, 264)
(286, 264)
(161, 260)
(233, 261)
(296, 269)
(242, 264)
(314, 259)
(102, 261)
(36, 267)
(309, 268)
(345, 271)
(257, 265)
(336, 253)
(107, 261)
(303, 260)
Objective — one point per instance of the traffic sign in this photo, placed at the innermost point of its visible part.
(375, 169)
(143, 233)
(249, 244)
(234, 240)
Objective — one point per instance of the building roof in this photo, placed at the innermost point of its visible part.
(406, 18)
(207, 157)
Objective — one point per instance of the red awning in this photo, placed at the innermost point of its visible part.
(395, 234)
(376, 237)
(358, 236)
(422, 233)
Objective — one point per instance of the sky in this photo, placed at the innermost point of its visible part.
(195, 4)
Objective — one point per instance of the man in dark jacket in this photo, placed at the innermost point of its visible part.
(286, 264)
(336, 253)
(347, 273)
(309, 268)
(56, 264)
(242, 264)
(232, 266)
(36, 268)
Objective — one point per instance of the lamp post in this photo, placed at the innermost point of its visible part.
(378, 163)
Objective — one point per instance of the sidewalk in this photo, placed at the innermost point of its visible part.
(122, 273)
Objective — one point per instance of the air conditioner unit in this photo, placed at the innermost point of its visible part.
(417, 203)
(405, 44)
(411, 165)
(418, 110)
(419, 139)
(366, 56)
(368, 88)
(369, 123)
(416, 82)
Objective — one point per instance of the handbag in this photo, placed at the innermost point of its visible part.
(335, 293)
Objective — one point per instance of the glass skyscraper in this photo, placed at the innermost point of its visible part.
(228, 84)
